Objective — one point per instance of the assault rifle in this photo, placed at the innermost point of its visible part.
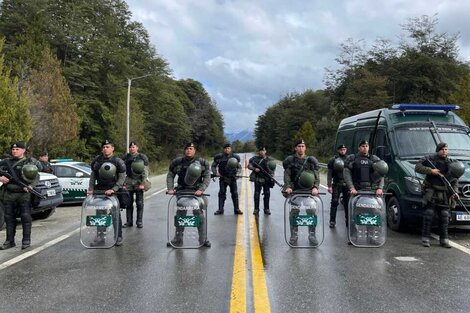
(267, 174)
(220, 176)
(449, 186)
(19, 182)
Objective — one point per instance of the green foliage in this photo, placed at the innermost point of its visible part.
(462, 97)
(307, 133)
(14, 113)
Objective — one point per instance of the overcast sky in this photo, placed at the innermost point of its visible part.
(249, 53)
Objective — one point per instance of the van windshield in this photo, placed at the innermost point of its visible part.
(417, 141)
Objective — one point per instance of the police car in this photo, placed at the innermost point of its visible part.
(73, 177)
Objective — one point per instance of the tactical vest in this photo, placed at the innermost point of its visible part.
(102, 183)
(338, 176)
(263, 163)
(362, 171)
(443, 166)
(297, 166)
(17, 166)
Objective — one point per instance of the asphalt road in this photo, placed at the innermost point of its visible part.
(59, 275)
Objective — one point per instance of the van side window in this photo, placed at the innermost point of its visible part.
(361, 134)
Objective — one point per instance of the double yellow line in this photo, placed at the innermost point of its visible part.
(239, 296)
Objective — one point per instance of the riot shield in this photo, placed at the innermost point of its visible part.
(187, 221)
(99, 221)
(303, 221)
(367, 225)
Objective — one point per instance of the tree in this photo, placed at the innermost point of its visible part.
(14, 114)
(307, 133)
(462, 97)
(54, 113)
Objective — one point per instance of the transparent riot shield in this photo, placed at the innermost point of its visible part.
(303, 221)
(99, 221)
(367, 225)
(187, 221)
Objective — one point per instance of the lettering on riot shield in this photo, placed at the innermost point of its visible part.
(187, 221)
(367, 219)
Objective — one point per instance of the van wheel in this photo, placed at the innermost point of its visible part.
(43, 215)
(394, 215)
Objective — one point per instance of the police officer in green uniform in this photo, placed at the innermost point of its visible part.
(363, 171)
(301, 173)
(336, 184)
(260, 165)
(108, 175)
(137, 172)
(193, 175)
(46, 165)
(17, 198)
(436, 196)
(227, 167)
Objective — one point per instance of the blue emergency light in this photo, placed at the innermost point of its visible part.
(444, 107)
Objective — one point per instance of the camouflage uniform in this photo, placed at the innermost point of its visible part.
(261, 180)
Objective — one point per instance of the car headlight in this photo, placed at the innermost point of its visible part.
(413, 184)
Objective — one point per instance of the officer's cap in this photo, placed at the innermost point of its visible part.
(107, 142)
(132, 143)
(189, 144)
(363, 142)
(43, 153)
(441, 146)
(262, 148)
(299, 142)
(18, 144)
(341, 146)
(227, 145)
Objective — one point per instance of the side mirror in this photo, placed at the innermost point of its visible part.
(79, 174)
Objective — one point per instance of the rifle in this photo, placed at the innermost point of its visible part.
(267, 174)
(19, 182)
(449, 186)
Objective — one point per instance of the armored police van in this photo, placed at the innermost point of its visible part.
(401, 135)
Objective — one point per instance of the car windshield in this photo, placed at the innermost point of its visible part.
(421, 140)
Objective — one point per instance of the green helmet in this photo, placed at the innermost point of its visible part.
(272, 165)
(29, 172)
(232, 163)
(307, 180)
(107, 170)
(138, 167)
(456, 168)
(338, 165)
(193, 173)
(380, 167)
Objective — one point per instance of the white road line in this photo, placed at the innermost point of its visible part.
(155, 193)
(454, 244)
(38, 249)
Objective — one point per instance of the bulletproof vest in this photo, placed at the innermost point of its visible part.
(222, 161)
(443, 166)
(183, 167)
(263, 163)
(296, 166)
(102, 183)
(361, 171)
(17, 166)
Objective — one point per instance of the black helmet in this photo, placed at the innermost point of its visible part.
(29, 172)
(456, 168)
(380, 167)
(107, 170)
(138, 167)
(232, 163)
(338, 165)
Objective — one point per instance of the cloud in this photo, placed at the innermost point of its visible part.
(248, 54)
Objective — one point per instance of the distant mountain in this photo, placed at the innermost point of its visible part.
(243, 136)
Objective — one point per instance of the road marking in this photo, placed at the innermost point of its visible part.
(155, 193)
(238, 293)
(37, 250)
(454, 244)
(260, 290)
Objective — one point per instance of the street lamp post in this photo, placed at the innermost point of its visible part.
(129, 82)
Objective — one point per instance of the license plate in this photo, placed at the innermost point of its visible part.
(462, 217)
(51, 192)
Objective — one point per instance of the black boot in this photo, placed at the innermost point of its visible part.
(267, 211)
(220, 211)
(7, 245)
(236, 208)
(140, 214)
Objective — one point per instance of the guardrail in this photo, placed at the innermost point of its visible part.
(323, 165)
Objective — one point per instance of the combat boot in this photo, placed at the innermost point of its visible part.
(25, 244)
(7, 245)
(177, 241)
(255, 211)
(425, 242)
(293, 236)
(312, 238)
(140, 215)
(332, 224)
(118, 242)
(445, 243)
